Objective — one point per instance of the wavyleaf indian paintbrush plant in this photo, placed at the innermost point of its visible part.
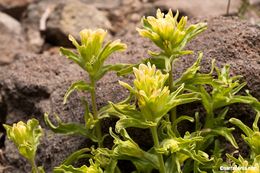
(92, 52)
(171, 37)
(151, 104)
(153, 98)
(91, 55)
(169, 34)
(26, 137)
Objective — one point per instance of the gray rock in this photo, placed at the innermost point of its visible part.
(11, 38)
(10, 24)
(52, 21)
(14, 8)
(104, 4)
(201, 8)
(70, 18)
(254, 2)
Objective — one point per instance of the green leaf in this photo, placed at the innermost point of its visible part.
(238, 88)
(190, 73)
(194, 30)
(80, 154)
(242, 126)
(83, 169)
(198, 124)
(226, 132)
(172, 165)
(255, 126)
(87, 114)
(234, 99)
(206, 100)
(184, 99)
(129, 150)
(40, 169)
(199, 156)
(80, 86)
(110, 48)
(71, 55)
(176, 145)
(180, 119)
(69, 128)
(125, 110)
(104, 157)
(235, 160)
(112, 167)
(108, 110)
(157, 60)
(127, 70)
(131, 122)
(112, 67)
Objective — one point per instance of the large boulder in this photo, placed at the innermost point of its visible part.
(70, 18)
(36, 84)
(201, 8)
(54, 20)
(104, 4)
(11, 38)
(14, 8)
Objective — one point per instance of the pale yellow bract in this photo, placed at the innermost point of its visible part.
(169, 34)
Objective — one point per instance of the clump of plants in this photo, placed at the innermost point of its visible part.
(154, 96)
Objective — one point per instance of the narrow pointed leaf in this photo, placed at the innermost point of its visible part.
(80, 86)
(226, 133)
(242, 126)
(76, 156)
(131, 122)
(69, 128)
(70, 55)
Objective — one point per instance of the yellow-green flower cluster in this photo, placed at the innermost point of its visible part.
(91, 52)
(91, 43)
(254, 142)
(153, 97)
(152, 93)
(25, 136)
(169, 34)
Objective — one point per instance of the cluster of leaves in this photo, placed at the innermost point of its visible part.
(154, 96)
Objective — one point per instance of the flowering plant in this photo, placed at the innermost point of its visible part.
(152, 104)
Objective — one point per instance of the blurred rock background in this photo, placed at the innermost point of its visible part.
(40, 25)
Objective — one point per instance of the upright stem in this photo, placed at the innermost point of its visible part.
(173, 110)
(170, 78)
(95, 112)
(34, 166)
(157, 145)
(209, 120)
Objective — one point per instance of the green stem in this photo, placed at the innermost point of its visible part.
(34, 166)
(173, 110)
(95, 113)
(157, 145)
(171, 78)
(209, 120)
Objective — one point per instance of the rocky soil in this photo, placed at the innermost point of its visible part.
(34, 77)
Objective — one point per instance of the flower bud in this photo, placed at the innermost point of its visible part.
(25, 136)
(169, 34)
